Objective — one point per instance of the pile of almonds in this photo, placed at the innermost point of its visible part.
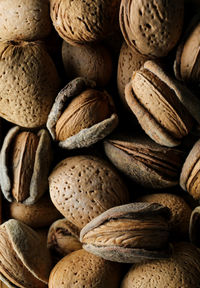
(100, 143)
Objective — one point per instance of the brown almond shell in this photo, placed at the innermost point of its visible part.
(39, 179)
(40, 214)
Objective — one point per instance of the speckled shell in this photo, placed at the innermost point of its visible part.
(87, 136)
(39, 179)
(24, 19)
(90, 61)
(82, 269)
(181, 270)
(82, 187)
(151, 27)
(28, 83)
(80, 22)
(129, 61)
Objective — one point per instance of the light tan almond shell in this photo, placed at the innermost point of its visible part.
(41, 214)
(39, 179)
(82, 269)
(88, 136)
(93, 62)
(28, 246)
(189, 177)
(187, 98)
(24, 19)
(182, 269)
(28, 83)
(151, 27)
(82, 187)
(80, 22)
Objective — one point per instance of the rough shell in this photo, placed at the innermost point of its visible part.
(30, 249)
(151, 27)
(157, 106)
(82, 187)
(84, 21)
(82, 269)
(144, 161)
(28, 83)
(39, 180)
(88, 136)
(129, 233)
(180, 270)
(26, 20)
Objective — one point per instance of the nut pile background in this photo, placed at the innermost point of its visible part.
(100, 149)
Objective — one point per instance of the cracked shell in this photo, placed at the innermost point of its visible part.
(156, 101)
(84, 118)
(28, 83)
(25, 260)
(79, 22)
(129, 233)
(82, 187)
(144, 161)
(37, 181)
(63, 238)
(180, 212)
